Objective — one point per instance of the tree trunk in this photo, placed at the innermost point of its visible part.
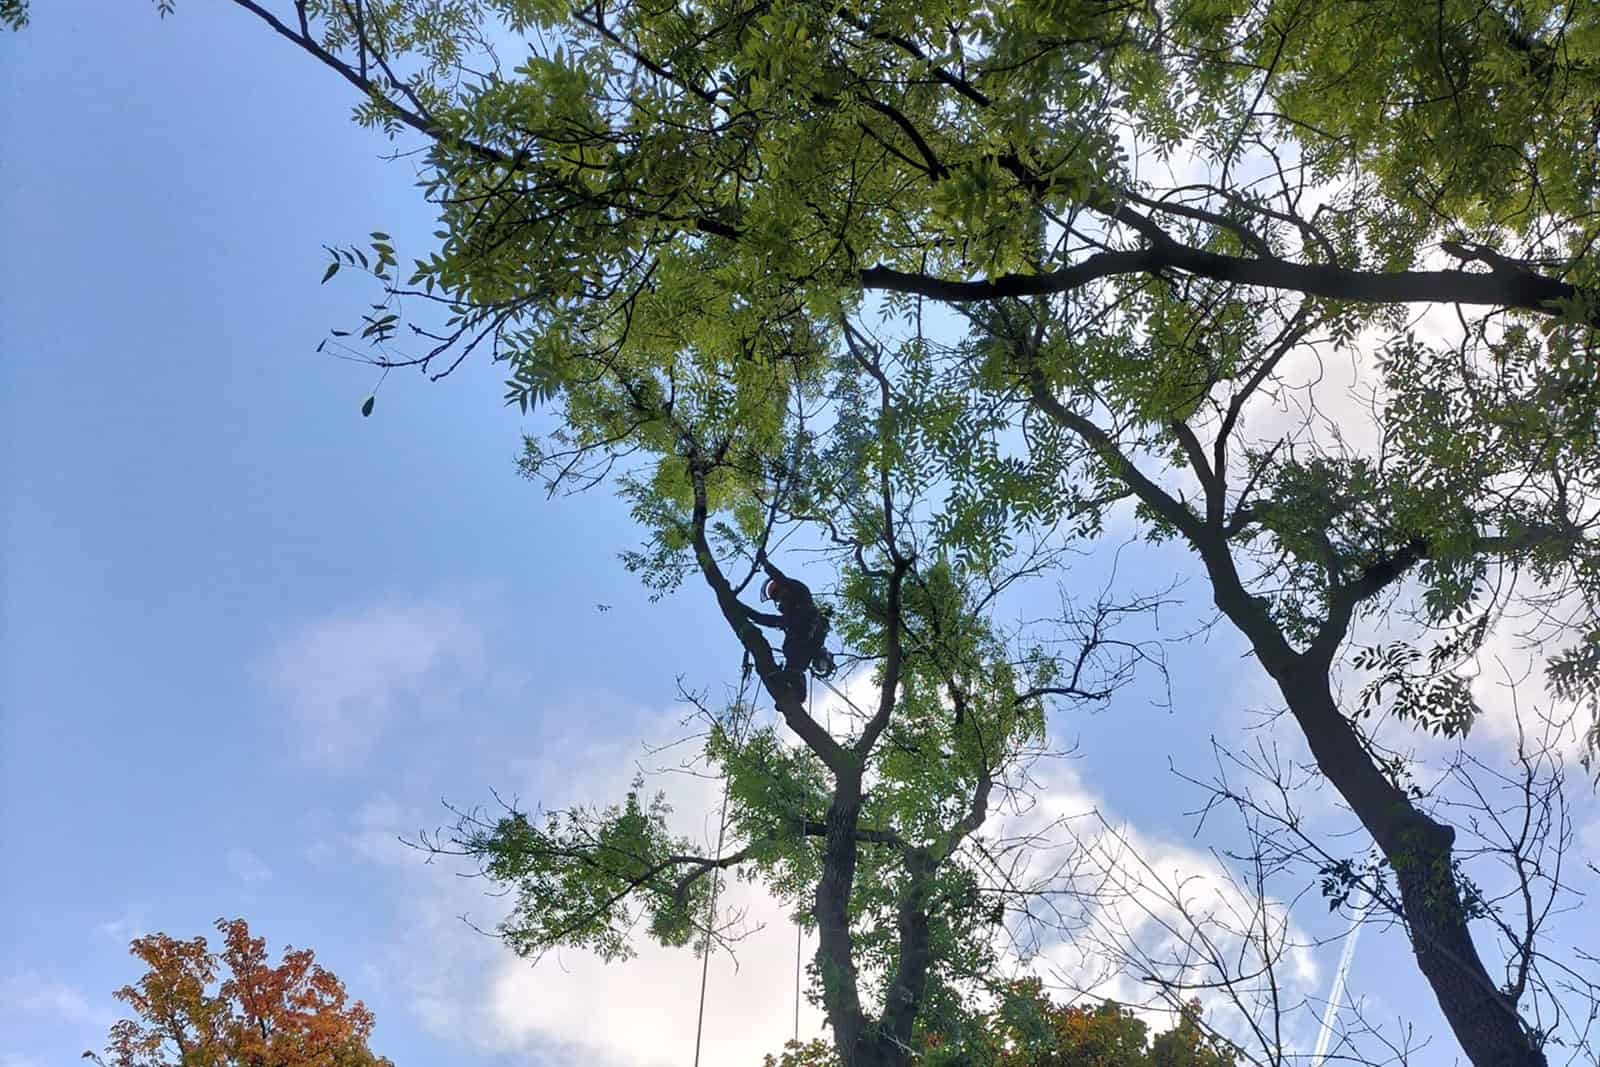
(1484, 1020)
(860, 1040)
(910, 983)
(1419, 849)
(835, 950)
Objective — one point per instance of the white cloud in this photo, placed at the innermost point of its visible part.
(1589, 837)
(379, 825)
(643, 1013)
(345, 678)
(574, 1002)
(843, 700)
(468, 988)
(463, 986)
(247, 866)
(1140, 914)
(124, 929)
(30, 994)
(371, 832)
(1508, 683)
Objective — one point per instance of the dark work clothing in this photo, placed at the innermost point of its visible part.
(802, 641)
(804, 628)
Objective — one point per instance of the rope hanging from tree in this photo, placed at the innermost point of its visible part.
(711, 907)
(799, 930)
(711, 918)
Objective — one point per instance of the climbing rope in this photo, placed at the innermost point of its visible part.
(716, 883)
(838, 693)
(711, 918)
(799, 930)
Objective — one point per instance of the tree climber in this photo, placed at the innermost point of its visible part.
(804, 627)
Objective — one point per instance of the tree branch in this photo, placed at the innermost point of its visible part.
(1344, 599)
(734, 611)
(416, 120)
(1528, 292)
(1210, 484)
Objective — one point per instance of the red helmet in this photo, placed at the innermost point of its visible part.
(770, 590)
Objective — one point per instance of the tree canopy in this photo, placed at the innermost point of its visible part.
(1028, 1029)
(293, 1015)
(945, 285)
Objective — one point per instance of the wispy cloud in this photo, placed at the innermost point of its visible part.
(345, 678)
(124, 928)
(1129, 914)
(247, 866)
(29, 994)
(750, 994)
(465, 987)
(1508, 681)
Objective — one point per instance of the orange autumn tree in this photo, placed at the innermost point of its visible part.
(1031, 1030)
(293, 1015)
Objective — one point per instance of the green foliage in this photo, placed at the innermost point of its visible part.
(585, 878)
(1457, 110)
(662, 220)
(1437, 697)
(909, 278)
(588, 878)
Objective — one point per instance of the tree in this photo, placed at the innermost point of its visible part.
(1032, 1031)
(293, 1015)
(13, 14)
(1028, 1029)
(874, 838)
(695, 230)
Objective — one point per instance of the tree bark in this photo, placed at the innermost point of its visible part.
(1419, 851)
(841, 999)
(1522, 290)
(910, 983)
(1418, 848)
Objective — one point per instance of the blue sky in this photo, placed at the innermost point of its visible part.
(249, 636)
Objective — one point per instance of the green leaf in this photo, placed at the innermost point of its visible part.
(367, 405)
(333, 268)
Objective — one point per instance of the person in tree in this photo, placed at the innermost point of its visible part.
(804, 627)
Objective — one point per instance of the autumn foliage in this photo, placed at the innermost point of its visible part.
(293, 1015)
(1030, 1030)
(1033, 1031)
